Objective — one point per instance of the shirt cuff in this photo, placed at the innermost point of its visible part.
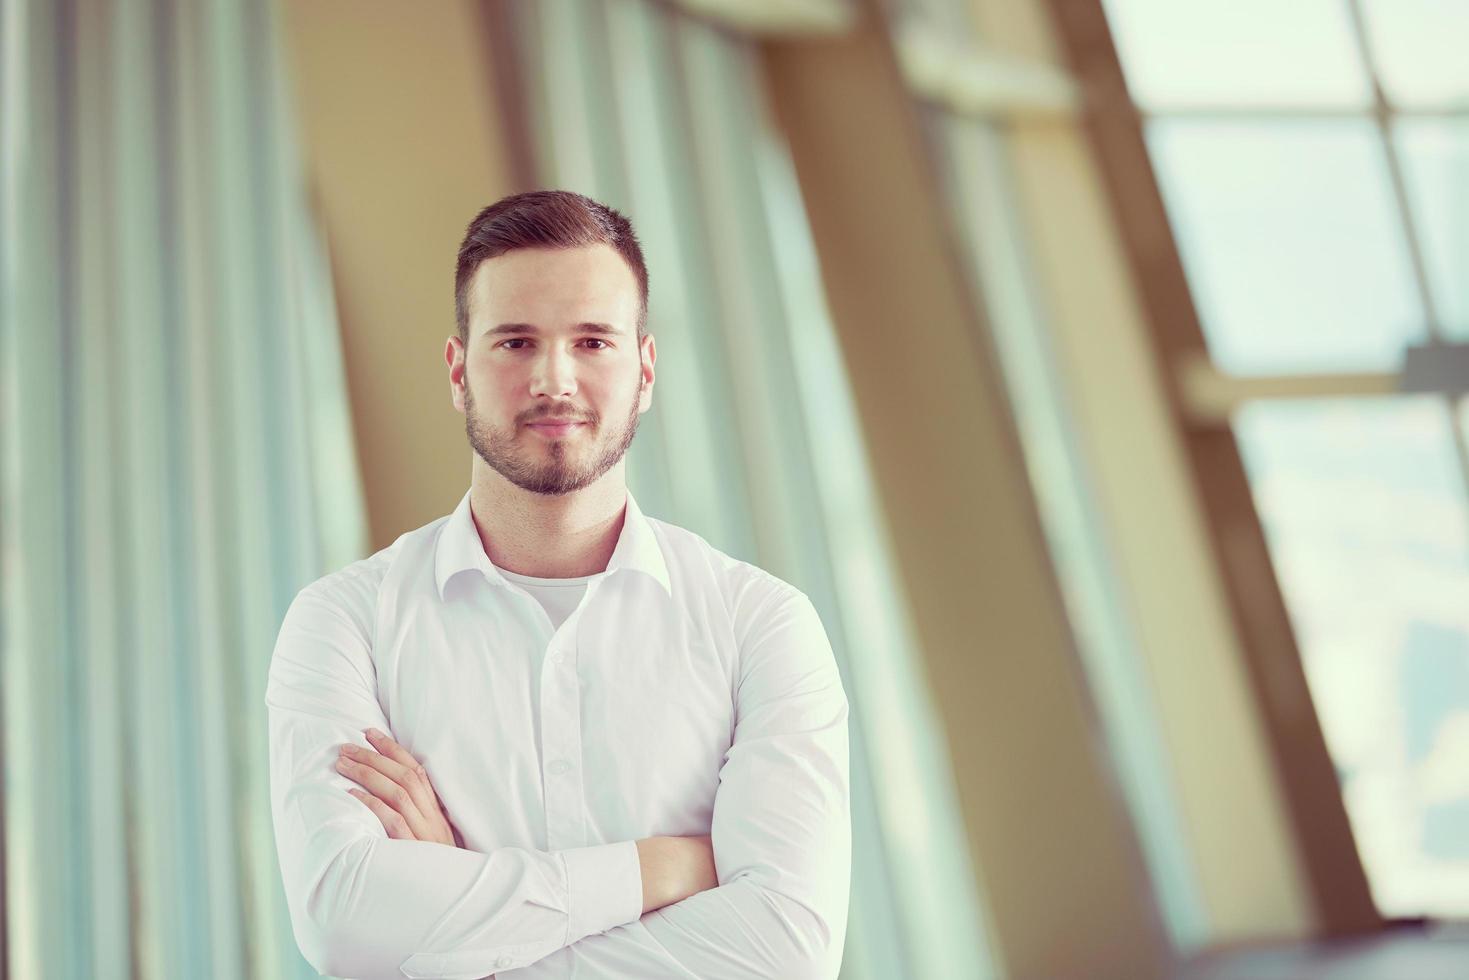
(604, 888)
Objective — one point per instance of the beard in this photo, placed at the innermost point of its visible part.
(560, 466)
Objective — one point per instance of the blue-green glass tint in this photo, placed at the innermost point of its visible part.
(1292, 243)
(1238, 53)
(1435, 156)
(1363, 504)
(1418, 51)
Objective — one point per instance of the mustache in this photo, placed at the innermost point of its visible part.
(557, 413)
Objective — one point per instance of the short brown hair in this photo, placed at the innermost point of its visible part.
(545, 219)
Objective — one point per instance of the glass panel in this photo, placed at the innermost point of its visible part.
(1418, 47)
(1292, 245)
(1363, 504)
(1238, 52)
(1435, 155)
(979, 185)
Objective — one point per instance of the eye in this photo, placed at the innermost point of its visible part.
(594, 340)
(513, 340)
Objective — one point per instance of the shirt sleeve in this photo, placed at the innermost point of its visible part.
(365, 906)
(781, 831)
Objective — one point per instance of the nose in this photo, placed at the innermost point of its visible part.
(553, 374)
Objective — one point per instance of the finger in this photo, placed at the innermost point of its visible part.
(391, 819)
(393, 770)
(399, 764)
(384, 788)
(403, 791)
(384, 744)
(412, 777)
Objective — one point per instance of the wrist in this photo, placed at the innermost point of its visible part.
(653, 864)
(673, 868)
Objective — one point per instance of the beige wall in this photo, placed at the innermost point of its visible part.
(400, 130)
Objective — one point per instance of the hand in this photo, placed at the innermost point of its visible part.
(400, 794)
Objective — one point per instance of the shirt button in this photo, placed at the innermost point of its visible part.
(558, 767)
(503, 962)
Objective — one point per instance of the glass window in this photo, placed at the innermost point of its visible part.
(1238, 53)
(1363, 504)
(1418, 46)
(1435, 155)
(1278, 153)
(1291, 241)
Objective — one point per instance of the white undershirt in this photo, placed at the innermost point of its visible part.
(558, 596)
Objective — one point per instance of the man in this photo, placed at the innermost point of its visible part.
(637, 744)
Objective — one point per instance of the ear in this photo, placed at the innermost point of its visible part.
(648, 355)
(454, 357)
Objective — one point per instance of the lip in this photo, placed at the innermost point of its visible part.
(554, 427)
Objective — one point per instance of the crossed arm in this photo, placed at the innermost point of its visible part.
(398, 791)
(365, 904)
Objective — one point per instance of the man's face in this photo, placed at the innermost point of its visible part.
(552, 336)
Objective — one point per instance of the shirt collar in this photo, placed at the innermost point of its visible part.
(459, 549)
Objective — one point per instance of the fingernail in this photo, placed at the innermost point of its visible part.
(373, 733)
(346, 750)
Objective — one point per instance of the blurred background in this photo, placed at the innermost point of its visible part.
(1098, 367)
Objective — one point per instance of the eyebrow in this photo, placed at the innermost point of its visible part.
(504, 328)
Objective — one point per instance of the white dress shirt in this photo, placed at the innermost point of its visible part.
(685, 693)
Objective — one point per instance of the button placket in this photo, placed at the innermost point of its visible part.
(561, 742)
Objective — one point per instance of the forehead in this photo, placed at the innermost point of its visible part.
(553, 287)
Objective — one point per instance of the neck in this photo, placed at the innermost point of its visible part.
(545, 536)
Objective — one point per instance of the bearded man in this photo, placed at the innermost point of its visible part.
(638, 744)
